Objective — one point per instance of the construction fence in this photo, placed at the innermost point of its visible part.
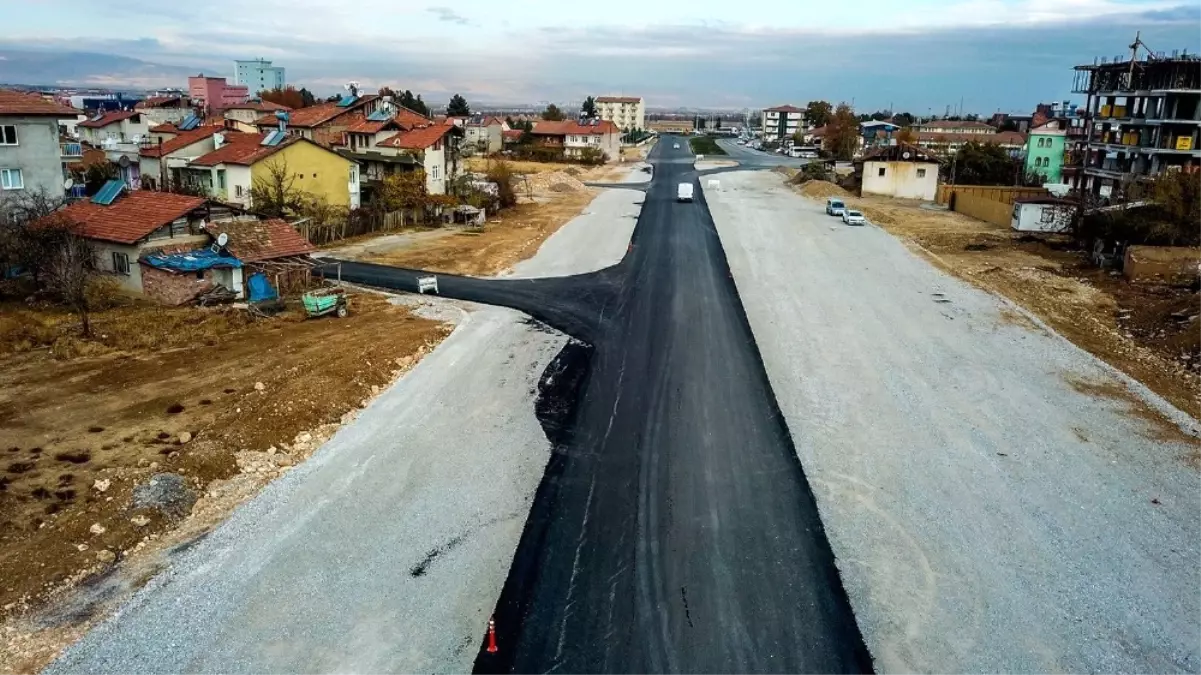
(990, 203)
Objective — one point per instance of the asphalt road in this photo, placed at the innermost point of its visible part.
(747, 157)
(674, 529)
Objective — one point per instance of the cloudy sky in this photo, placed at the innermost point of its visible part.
(917, 55)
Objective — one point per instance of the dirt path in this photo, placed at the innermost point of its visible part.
(77, 434)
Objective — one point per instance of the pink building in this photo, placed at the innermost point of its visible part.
(214, 94)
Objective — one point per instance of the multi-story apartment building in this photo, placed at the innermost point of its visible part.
(781, 122)
(1143, 116)
(258, 75)
(31, 154)
(627, 112)
(214, 94)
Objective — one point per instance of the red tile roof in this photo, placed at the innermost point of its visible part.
(165, 128)
(243, 149)
(417, 139)
(513, 134)
(362, 125)
(785, 109)
(160, 102)
(20, 103)
(409, 119)
(258, 240)
(132, 217)
(261, 106)
(109, 118)
(183, 140)
(545, 128)
(618, 99)
(316, 115)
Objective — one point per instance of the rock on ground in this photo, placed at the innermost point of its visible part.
(167, 493)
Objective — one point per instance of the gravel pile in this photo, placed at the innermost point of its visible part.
(554, 181)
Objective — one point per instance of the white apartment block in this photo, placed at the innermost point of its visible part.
(259, 74)
(781, 122)
(627, 112)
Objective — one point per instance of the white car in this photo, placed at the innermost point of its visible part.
(853, 217)
(676, 146)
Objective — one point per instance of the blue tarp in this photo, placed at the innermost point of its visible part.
(192, 261)
(260, 288)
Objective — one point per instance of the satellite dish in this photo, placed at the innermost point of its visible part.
(222, 239)
(905, 155)
(123, 160)
(68, 183)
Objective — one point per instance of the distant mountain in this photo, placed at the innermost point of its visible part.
(36, 67)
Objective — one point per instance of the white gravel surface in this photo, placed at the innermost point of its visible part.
(384, 552)
(593, 240)
(987, 517)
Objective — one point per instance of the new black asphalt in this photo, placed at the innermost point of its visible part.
(674, 529)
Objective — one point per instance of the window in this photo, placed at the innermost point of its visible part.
(120, 263)
(1041, 142)
(10, 179)
(220, 179)
(880, 172)
(434, 171)
(8, 135)
(921, 173)
(238, 190)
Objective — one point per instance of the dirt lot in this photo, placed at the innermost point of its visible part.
(1141, 329)
(224, 400)
(587, 174)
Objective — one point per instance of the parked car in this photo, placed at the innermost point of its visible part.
(676, 146)
(835, 206)
(853, 217)
(684, 192)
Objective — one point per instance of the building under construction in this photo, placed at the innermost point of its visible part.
(1144, 116)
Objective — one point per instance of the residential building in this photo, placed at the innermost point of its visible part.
(137, 222)
(31, 153)
(112, 128)
(574, 138)
(781, 122)
(326, 123)
(1045, 151)
(163, 109)
(258, 75)
(171, 149)
(876, 132)
(946, 137)
(627, 112)
(243, 116)
(671, 126)
(900, 170)
(214, 95)
(228, 172)
(1143, 118)
(431, 148)
(485, 136)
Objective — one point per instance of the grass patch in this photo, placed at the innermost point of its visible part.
(705, 145)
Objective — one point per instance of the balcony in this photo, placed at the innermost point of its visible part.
(70, 151)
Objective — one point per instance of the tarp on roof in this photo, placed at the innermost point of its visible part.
(192, 261)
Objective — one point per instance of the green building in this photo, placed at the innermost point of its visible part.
(1044, 151)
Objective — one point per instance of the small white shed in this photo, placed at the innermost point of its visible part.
(1042, 214)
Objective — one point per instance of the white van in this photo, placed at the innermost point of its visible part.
(835, 206)
(684, 193)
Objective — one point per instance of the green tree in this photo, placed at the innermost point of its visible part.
(903, 119)
(553, 114)
(414, 103)
(842, 133)
(387, 91)
(985, 164)
(458, 107)
(818, 113)
(589, 107)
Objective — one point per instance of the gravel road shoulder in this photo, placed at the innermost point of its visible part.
(386, 551)
(997, 499)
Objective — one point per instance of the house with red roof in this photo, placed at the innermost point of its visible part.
(170, 148)
(139, 222)
(242, 116)
(110, 127)
(576, 138)
(432, 149)
(240, 161)
(31, 156)
(325, 123)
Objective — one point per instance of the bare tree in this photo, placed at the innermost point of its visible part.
(21, 245)
(275, 194)
(69, 269)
